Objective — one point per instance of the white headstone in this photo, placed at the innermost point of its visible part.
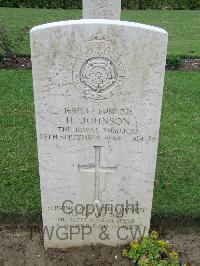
(98, 88)
(102, 9)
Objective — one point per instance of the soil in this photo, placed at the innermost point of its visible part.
(190, 64)
(15, 62)
(23, 246)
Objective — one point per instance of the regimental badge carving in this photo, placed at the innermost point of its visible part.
(98, 73)
(101, 3)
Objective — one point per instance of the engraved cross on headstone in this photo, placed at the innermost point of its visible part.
(97, 169)
(102, 9)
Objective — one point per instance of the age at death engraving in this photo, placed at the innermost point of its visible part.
(88, 137)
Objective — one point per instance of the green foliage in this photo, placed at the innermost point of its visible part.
(9, 44)
(6, 42)
(173, 62)
(126, 4)
(161, 4)
(152, 251)
(66, 4)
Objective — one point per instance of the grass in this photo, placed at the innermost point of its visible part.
(177, 189)
(19, 190)
(183, 26)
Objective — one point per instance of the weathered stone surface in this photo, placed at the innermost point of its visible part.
(102, 9)
(98, 93)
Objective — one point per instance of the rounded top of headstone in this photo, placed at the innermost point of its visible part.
(98, 21)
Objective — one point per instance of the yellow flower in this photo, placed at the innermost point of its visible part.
(163, 244)
(125, 253)
(134, 245)
(154, 235)
(143, 259)
(173, 254)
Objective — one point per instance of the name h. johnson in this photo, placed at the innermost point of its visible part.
(111, 121)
